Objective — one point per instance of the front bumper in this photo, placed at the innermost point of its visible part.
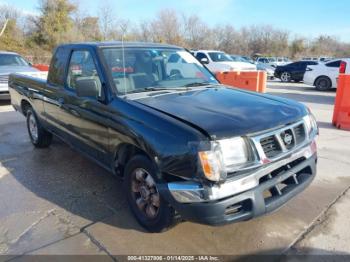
(4, 92)
(246, 197)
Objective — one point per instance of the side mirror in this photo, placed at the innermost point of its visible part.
(87, 87)
(204, 60)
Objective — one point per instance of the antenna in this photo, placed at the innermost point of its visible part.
(123, 28)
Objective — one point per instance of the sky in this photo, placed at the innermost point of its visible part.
(308, 18)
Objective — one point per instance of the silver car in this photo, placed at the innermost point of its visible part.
(12, 63)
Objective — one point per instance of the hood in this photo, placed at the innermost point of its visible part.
(240, 65)
(16, 69)
(225, 112)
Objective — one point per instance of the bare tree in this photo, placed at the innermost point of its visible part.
(7, 13)
(107, 20)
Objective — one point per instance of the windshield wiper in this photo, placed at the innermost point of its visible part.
(152, 88)
(199, 84)
(166, 88)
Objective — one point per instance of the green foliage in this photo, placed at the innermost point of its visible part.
(54, 23)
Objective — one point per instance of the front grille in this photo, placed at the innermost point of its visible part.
(4, 79)
(299, 133)
(283, 140)
(270, 146)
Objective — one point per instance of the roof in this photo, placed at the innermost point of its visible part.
(120, 44)
(7, 53)
(206, 51)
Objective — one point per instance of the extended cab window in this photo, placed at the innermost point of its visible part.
(82, 71)
(138, 69)
(58, 66)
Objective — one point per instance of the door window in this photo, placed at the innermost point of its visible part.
(82, 71)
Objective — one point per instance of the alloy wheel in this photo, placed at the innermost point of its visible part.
(285, 77)
(33, 127)
(145, 193)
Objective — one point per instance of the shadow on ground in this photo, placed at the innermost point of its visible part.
(63, 177)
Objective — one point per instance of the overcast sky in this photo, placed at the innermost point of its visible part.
(301, 17)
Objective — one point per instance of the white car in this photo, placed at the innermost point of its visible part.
(324, 76)
(217, 61)
(13, 63)
(273, 61)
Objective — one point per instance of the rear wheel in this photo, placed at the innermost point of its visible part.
(37, 134)
(144, 199)
(285, 77)
(323, 83)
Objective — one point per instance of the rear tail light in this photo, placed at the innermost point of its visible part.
(342, 67)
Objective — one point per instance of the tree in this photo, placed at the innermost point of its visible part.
(297, 47)
(166, 27)
(54, 23)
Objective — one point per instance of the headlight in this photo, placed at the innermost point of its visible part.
(212, 163)
(235, 153)
(311, 124)
(227, 155)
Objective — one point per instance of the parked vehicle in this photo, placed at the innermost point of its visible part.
(270, 71)
(217, 61)
(317, 59)
(184, 144)
(324, 76)
(239, 58)
(273, 61)
(294, 71)
(12, 63)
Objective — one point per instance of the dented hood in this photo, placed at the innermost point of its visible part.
(226, 112)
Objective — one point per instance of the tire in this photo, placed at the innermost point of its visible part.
(149, 208)
(286, 77)
(39, 137)
(323, 83)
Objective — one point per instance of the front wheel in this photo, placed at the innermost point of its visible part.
(38, 135)
(285, 77)
(145, 201)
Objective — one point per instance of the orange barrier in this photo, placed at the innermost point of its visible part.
(249, 80)
(41, 67)
(341, 113)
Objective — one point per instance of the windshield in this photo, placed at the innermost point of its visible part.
(12, 60)
(219, 57)
(271, 59)
(140, 69)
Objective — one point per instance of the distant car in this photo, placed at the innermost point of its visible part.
(293, 71)
(270, 71)
(320, 59)
(239, 58)
(273, 61)
(324, 76)
(12, 63)
(217, 61)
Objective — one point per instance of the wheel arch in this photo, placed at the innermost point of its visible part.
(317, 78)
(124, 152)
(25, 105)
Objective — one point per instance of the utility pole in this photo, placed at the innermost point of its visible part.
(4, 27)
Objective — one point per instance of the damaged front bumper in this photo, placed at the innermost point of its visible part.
(245, 196)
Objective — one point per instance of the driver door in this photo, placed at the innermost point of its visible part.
(87, 114)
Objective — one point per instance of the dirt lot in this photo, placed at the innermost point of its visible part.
(54, 201)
